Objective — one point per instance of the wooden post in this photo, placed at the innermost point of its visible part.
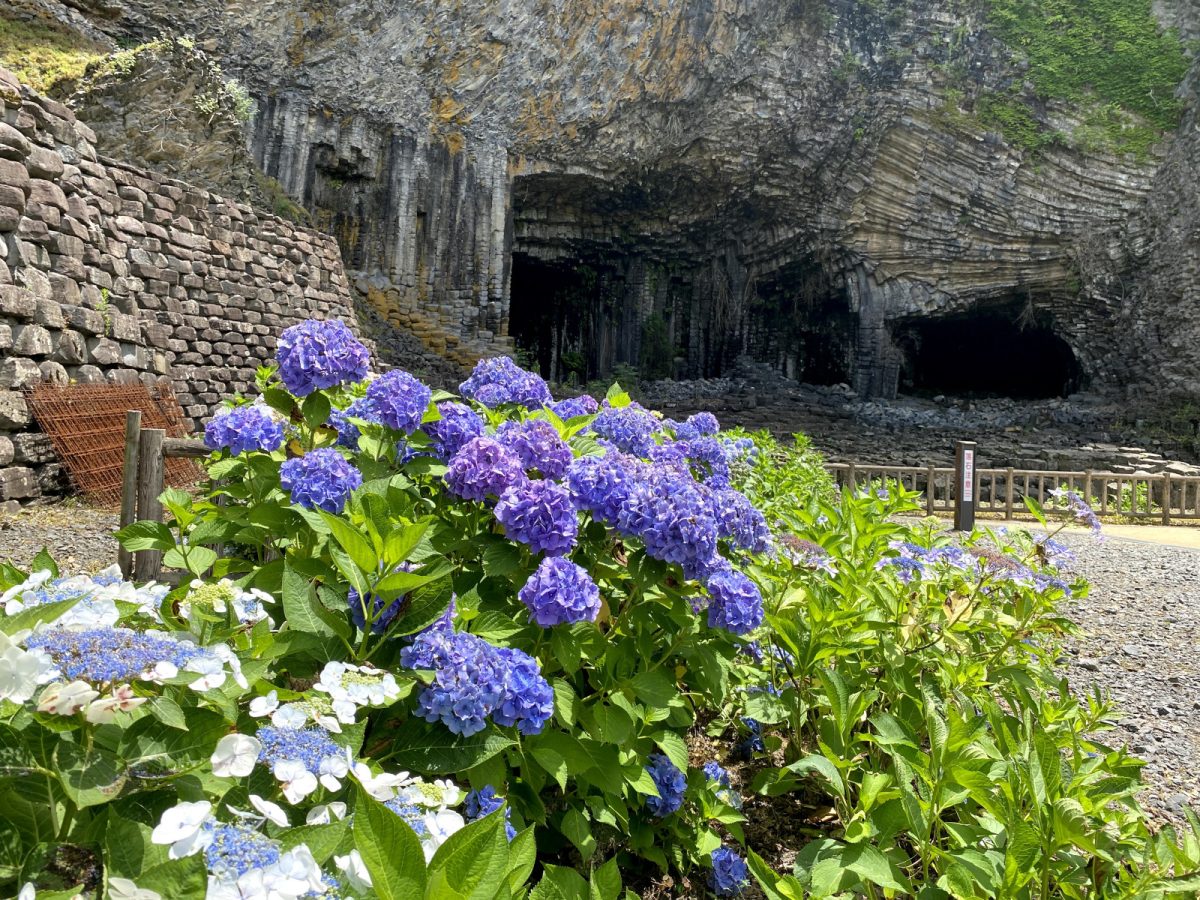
(148, 563)
(1166, 507)
(930, 490)
(129, 484)
(852, 477)
(1087, 487)
(1008, 493)
(965, 485)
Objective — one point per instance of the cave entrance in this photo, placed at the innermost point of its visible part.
(548, 316)
(999, 352)
(804, 323)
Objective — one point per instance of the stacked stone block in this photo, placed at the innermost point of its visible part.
(109, 273)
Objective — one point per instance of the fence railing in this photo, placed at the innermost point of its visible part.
(1160, 498)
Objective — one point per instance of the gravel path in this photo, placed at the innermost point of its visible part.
(1140, 640)
(79, 537)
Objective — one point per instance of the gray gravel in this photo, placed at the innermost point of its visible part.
(79, 537)
(1140, 640)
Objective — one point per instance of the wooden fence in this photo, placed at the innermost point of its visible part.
(1162, 498)
(142, 481)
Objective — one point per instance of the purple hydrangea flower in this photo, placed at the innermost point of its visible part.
(541, 515)
(244, 428)
(737, 605)
(584, 405)
(538, 445)
(483, 468)
(484, 802)
(601, 484)
(349, 433)
(321, 479)
(458, 425)
(319, 354)
(560, 593)
(400, 400)
(1078, 508)
(497, 381)
(730, 875)
(630, 429)
(671, 785)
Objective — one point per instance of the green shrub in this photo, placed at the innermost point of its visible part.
(915, 683)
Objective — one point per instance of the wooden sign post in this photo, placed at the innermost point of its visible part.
(965, 485)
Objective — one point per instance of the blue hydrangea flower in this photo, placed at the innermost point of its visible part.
(319, 354)
(458, 425)
(383, 616)
(630, 429)
(348, 432)
(244, 428)
(308, 746)
(740, 522)
(707, 456)
(584, 405)
(1078, 508)
(560, 593)
(102, 655)
(400, 400)
(601, 484)
(730, 875)
(236, 849)
(321, 479)
(413, 815)
(474, 680)
(497, 381)
(714, 772)
(704, 423)
(745, 750)
(673, 517)
(528, 700)
(540, 515)
(483, 468)
(671, 784)
(736, 605)
(484, 802)
(538, 445)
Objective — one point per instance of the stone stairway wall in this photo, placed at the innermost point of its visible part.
(110, 273)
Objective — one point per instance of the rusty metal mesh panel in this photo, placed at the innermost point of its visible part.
(86, 425)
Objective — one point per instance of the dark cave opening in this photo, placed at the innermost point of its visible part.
(548, 318)
(996, 352)
(803, 322)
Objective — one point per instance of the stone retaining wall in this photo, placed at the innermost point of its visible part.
(112, 273)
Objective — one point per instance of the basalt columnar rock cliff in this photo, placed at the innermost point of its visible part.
(885, 193)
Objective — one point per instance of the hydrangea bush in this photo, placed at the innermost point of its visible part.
(450, 645)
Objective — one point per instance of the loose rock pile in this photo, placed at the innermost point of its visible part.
(1074, 434)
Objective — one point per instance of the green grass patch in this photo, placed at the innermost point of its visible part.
(1110, 58)
(42, 56)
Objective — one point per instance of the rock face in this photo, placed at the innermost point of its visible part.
(112, 273)
(674, 183)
